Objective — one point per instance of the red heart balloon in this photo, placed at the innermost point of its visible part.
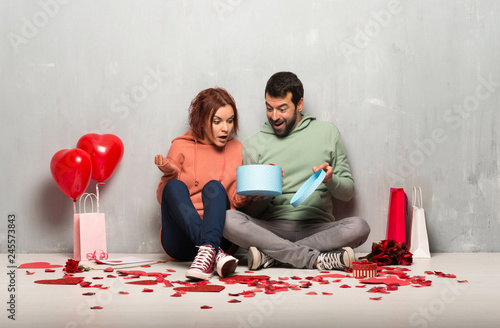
(105, 150)
(71, 170)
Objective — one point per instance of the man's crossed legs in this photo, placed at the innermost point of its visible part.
(302, 244)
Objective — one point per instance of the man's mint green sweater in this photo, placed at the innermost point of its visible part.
(311, 143)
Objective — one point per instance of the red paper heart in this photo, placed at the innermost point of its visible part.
(39, 265)
(157, 274)
(244, 278)
(386, 280)
(62, 281)
(332, 275)
(142, 282)
(134, 272)
(201, 288)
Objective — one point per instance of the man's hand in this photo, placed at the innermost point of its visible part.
(327, 168)
(282, 169)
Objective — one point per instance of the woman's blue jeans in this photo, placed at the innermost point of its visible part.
(182, 227)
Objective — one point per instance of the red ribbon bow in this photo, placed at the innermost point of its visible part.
(98, 254)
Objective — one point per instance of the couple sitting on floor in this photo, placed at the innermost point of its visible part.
(203, 217)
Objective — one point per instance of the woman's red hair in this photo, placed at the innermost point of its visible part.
(204, 106)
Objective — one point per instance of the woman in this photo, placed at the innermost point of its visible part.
(199, 184)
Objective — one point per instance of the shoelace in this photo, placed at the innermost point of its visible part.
(220, 255)
(266, 260)
(204, 258)
(331, 260)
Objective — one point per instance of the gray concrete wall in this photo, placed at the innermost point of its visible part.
(412, 85)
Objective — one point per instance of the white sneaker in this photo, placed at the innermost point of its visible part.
(258, 259)
(340, 259)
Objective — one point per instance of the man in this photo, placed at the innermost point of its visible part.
(306, 236)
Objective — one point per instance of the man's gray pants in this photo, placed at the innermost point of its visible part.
(297, 243)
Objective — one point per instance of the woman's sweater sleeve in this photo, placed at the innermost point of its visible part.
(170, 171)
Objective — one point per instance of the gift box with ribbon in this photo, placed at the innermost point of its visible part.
(364, 269)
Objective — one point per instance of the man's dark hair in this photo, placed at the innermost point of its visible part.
(281, 83)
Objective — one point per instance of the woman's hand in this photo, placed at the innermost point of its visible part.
(160, 160)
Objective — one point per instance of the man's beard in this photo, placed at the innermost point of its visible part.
(289, 125)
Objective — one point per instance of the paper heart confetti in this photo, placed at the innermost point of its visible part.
(202, 288)
(386, 280)
(142, 282)
(61, 281)
(332, 275)
(133, 272)
(243, 279)
(39, 265)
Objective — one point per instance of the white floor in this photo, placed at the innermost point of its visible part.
(446, 303)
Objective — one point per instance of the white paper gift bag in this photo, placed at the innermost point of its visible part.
(419, 241)
(89, 231)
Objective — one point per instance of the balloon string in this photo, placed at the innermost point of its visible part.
(97, 195)
(74, 206)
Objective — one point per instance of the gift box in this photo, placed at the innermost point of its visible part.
(308, 188)
(259, 180)
(364, 269)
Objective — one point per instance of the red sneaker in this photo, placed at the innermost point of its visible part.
(203, 264)
(226, 264)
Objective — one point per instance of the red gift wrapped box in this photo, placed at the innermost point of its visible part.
(364, 269)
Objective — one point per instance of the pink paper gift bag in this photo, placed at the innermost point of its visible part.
(396, 219)
(89, 233)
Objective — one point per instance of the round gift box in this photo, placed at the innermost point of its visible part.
(364, 269)
(308, 188)
(259, 180)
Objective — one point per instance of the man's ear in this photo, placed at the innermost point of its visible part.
(300, 104)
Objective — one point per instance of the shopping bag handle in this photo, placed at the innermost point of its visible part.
(417, 197)
(86, 196)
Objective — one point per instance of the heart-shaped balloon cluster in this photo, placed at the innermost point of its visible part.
(97, 156)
